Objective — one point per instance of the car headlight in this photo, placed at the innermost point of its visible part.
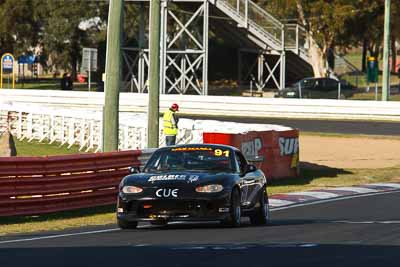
(130, 189)
(211, 188)
(290, 93)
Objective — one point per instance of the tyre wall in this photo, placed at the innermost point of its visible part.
(276, 153)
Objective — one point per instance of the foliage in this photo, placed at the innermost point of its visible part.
(69, 27)
(59, 29)
(19, 26)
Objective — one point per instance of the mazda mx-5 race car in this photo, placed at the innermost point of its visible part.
(199, 182)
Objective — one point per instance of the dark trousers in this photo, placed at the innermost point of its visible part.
(170, 140)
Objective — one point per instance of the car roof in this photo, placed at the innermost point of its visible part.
(200, 145)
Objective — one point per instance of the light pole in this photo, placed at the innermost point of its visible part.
(386, 49)
(113, 76)
(154, 79)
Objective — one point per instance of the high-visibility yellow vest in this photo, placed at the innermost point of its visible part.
(169, 126)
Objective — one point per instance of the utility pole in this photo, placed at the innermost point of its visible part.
(386, 49)
(154, 76)
(113, 76)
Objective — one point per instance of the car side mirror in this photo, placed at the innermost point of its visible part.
(250, 168)
(134, 169)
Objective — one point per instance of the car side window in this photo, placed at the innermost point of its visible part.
(315, 84)
(331, 84)
(242, 163)
(307, 84)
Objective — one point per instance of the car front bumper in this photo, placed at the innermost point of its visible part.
(193, 209)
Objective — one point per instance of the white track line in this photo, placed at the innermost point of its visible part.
(334, 199)
(58, 236)
(397, 186)
(360, 190)
(320, 195)
(274, 202)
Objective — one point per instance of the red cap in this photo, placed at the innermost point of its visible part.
(175, 107)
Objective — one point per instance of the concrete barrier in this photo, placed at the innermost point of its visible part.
(215, 105)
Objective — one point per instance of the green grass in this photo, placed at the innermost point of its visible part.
(54, 86)
(35, 148)
(372, 96)
(354, 58)
(50, 84)
(58, 221)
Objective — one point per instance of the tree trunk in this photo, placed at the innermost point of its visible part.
(376, 50)
(314, 51)
(364, 56)
(74, 64)
(394, 56)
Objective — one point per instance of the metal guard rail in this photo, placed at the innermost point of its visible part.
(39, 185)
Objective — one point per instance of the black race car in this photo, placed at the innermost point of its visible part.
(319, 88)
(199, 182)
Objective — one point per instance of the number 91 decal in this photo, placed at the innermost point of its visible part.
(220, 152)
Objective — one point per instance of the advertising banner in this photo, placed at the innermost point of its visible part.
(276, 153)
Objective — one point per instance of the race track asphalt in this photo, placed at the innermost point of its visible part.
(363, 231)
(320, 126)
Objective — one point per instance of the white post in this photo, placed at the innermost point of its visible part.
(300, 90)
(19, 126)
(90, 68)
(376, 91)
(246, 12)
(297, 39)
(339, 89)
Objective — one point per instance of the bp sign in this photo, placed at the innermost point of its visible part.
(7, 63)
(7, 67)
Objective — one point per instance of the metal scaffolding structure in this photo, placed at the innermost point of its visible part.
(185, 26)
(184, 52)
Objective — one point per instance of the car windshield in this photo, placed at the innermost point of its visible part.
(304, 83)
(190, 158)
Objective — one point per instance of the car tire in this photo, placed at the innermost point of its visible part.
(126, 224)
(261, 215)
(235, 212)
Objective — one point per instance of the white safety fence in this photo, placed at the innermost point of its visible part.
(84, 128)
(214, 105)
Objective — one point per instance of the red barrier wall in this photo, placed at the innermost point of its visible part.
(276, 152)
(37, 185)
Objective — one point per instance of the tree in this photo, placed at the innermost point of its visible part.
(323, 20)
(326, 23)
(19, 26)
(67, 29)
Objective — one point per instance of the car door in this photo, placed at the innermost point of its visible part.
(307, 88)
(331, 88)
(249, 181)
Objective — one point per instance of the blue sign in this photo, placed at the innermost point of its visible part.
(27, 59)
(8, 63)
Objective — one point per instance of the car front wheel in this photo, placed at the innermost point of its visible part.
(261, 215)
(235, 212)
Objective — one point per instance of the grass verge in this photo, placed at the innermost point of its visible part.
(316, 177)
(58, 221)
(36, 148)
